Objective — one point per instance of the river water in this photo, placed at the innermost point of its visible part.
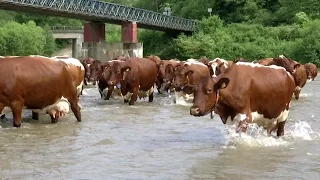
(159, 140)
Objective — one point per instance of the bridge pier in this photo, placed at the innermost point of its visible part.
(94, 39)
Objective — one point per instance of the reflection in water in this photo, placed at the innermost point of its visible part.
(159, 140)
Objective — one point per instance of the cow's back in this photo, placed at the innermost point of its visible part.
(39, 81)
(145, 70)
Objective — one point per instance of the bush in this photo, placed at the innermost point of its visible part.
(24, 39)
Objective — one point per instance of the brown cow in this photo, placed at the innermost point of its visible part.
(165, 73)
(312, 70)
(134, 75)
(243, 93)
(298, 72)
(265, 62)
(103, 82)
(87, 62)
(27, 82)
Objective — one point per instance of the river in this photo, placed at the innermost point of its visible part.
(159, 140)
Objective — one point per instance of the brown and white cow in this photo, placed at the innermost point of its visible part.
(247, 93)
(77, 70)
(133, 76)
(312, 70)
(218, 66)
(186, 75)
(36, 83)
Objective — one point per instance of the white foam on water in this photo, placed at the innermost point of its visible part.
(257, 136)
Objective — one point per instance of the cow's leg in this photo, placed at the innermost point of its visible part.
(151, 97)
(245, 119)
(81, 89)
(110, 90)
(85, 81)
(1, 109)
(134, 95)
(296, 92)
(75, 108)
(280, 131)
(35, 115)
(16, 107)
(54, 119)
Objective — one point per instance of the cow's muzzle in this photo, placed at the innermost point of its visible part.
(195, 111)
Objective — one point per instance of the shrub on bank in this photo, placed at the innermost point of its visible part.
(25, 39)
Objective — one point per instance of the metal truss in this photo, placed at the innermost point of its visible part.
(106, 10)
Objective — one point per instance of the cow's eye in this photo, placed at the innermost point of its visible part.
(209, 91)
(118, 72)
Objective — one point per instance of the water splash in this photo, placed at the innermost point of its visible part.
(257, 136)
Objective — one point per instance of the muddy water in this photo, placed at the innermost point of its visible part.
(159, 140)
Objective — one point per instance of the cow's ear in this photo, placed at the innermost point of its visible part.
(125, 69)
(296, 66)
(188, 73)
(221, 84)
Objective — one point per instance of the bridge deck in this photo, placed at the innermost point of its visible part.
(93, 10)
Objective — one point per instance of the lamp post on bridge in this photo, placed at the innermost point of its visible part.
(167, 11)
(210, 11)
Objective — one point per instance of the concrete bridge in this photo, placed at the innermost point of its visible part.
(73, 33)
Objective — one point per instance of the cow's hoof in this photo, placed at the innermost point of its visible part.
(131, 103)
(126, 101)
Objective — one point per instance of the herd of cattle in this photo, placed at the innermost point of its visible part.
(238, 91)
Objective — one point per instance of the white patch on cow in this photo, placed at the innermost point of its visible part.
(144, 94)
(193, 61)
(214, 65)
(183, 99)
(127, 96)
(1, 57)
(79, 88)
(259, 119)
(116, 93)
(38, 56)
(6, 110)
(88, 65)
(298, 88)
(69, 60)
(61, 105)
(162, 87)
(259, 65)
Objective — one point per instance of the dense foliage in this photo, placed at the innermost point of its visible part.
(251, 29)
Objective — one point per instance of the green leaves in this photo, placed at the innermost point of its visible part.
(25, 39)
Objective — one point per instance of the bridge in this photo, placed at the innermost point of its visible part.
(97, 13)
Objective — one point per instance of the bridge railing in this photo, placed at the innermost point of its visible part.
(93, 9)
(66, 29)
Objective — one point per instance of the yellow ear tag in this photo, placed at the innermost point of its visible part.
(223, 85)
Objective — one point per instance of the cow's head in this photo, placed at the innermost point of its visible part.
(106, 71)
(206, 95)
(118, 72)
(86, 64)
(285, 62)
(217, 66)
(182, 73)
(95, 71)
